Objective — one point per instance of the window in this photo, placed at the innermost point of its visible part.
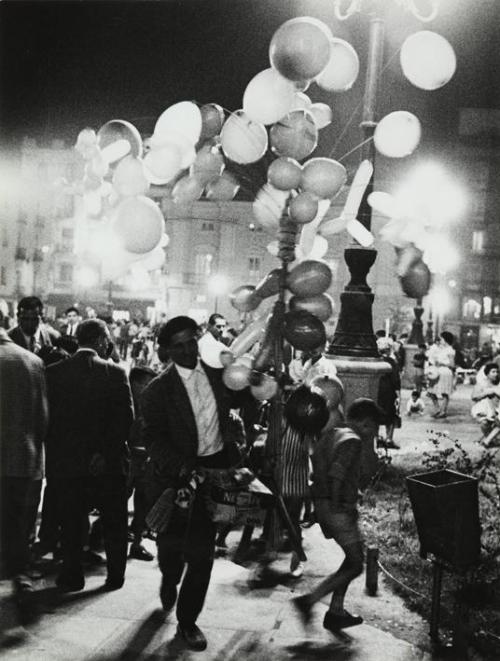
(478, 241)
(66, 272)
(67, 235)
(3, 276)
(471, 309)
(203, 264)
(207, 227)
(254, 267)
(5, 238)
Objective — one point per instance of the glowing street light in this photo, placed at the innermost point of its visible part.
(218, 285)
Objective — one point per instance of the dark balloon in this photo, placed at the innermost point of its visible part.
(306, 411)
(303, 330)
(417, 281)
(270, 285)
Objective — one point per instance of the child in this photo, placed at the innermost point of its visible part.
(415, 404)
(336, 466)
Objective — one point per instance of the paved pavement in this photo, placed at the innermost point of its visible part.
(243, 618)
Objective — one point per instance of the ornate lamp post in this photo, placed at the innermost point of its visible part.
(354, 347)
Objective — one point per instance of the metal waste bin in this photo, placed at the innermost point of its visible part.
(446, 510)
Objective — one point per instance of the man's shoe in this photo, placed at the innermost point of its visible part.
(70, 583)
(303, 606)
(296, 566)
(138, 552)
(193, 636)
(392, 445)
(168, 596)
(334, 622)
(92, 558)
(113, 583)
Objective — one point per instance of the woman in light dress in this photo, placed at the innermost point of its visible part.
(442, 355)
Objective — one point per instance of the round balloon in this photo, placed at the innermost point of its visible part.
(236, 376)
(303, 330)
(322, 114)
(222, 188)
(244, 299)
(186, 190)
(342, 68)
(303, 208)
(139, 224)
(306, 411)
(119, 129)
(210, 353)
(179, 140)
(86, 143)
(208, 164)
(164, 163)
(212, 119)
(320, 305)
(300, 48)
(227, 357)
(428, 60)
(129, 177)
(242, 140)
(330, 387)
(397, 134)
(309, 278)
(266, 389)
(417, 281)
(183, 117)
(153, 260)
(300, 102)
(295, 135)
(324, 177)
(268, 97)
(284, 173)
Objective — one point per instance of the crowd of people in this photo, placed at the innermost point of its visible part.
(89, 421)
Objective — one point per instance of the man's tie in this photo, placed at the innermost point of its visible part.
(32, 343)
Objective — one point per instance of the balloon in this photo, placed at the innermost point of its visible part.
(86, 143)
(164, 241)
(284, 173)
(300, 48)
(92, 202)
(322, 114)
(223, 188)
(210, 353)
(306, 411)
(266, 390)
(186, 190)
(428, 60)
(248, 337)
(397, 134)
(164, 163)
(153, 260)
(359, 233)
(319, 248)
(342, 68)
(118, 129)
(268, 206)
(242, 140)
(139, 224)
(300, 102)
(320, 305)
(115, 151)
(417, 281)
(309, 278)
(331, 388)
(357, 189)
(333, 226)
(303, 208)
(245, 359)
(273, 248)
(383, 203)
(295, 135)
(183, 117)
(324, 177)
(208, 164)
(117, 263)
(179, 140)
(269, 286)
(227, 357)
(129, 177)
(236, 377)
(212, 119)
(244, 299)
(268, 97)
(309, 231)
(303, 330)
(406, 258)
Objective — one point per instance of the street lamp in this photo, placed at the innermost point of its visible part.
(218, 285)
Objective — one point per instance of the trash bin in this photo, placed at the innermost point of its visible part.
(446, 510)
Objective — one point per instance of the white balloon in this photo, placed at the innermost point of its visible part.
(359, 233)
(164, 162)
(184, 118)
(397, 134)
(243, 140)
(115, 151)
(269, 205)
(333, 226)
(164, 241)
(153, 260)
(342, 69)
(322, 114)
(184, 144)
(383, 203)
(319, 249)
(428, 60)
(268, 97)
(300, 102)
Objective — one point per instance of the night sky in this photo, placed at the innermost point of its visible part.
(67, 65)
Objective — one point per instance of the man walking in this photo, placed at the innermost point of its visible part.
(91, 412)
(186, 417)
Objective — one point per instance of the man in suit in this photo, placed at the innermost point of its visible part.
(23, 424)
(186, 412)
(72, 319)
(31, 333)
(91, 413)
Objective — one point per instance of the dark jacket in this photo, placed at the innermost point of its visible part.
(90, 411)
(17, 336)
(170, 432)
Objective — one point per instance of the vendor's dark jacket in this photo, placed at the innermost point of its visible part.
(170, 432)
(90, 411)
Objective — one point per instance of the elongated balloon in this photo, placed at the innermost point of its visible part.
(357, 189)
(306, 242)
(249, 336)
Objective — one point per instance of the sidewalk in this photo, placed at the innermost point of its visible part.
(242, 620)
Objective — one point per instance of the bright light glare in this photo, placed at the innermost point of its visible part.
(218, 284)
(440, 300)
(86, 277)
